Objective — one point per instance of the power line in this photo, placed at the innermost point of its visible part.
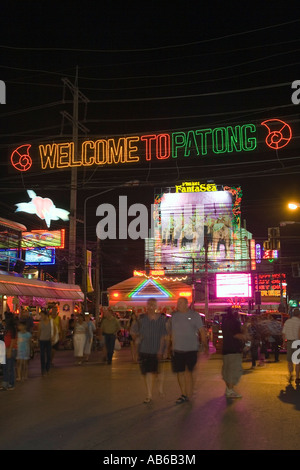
(158, 48)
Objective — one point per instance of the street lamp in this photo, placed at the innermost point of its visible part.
(127, 184)
(293, 205)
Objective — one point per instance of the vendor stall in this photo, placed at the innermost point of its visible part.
(134, 292)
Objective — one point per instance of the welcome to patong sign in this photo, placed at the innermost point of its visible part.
(149, 147)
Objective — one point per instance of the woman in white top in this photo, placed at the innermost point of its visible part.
(79, 338)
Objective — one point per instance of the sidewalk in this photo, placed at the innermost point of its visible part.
(100, 407)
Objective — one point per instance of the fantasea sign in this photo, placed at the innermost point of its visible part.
(146, 148)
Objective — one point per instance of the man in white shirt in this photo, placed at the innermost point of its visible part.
(290, 333)
(186, 327)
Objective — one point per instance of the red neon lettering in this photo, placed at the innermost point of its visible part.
(163, 141)
(148, 139)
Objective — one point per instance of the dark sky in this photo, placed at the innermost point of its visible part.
(152, 67)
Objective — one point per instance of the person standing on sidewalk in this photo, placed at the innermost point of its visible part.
(10, 340)
(233, 341)
(186, 327)
(290, 333)
(109, 328)
(153, 335)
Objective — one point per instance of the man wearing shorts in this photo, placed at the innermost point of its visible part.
(186, 327)
(153, 335)
(290, 333)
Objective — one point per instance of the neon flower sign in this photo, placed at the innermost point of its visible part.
(44, 208)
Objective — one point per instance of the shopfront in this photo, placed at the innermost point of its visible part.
(16, 293)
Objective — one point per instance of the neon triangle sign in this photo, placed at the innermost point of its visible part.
(149, 288)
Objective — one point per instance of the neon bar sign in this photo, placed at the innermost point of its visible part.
(135, 149)
(195, 187)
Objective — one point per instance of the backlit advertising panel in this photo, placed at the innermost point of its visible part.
(43, 239)
(233, 285)
(196, 225)
(40, 256)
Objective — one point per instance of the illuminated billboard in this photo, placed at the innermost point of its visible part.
(233, 285)
(197, 224)
(43, 239)
(40, 256)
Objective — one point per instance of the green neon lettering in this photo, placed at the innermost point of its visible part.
(191, 144)
(234, 138)
(219, 140)
(203, 138)
(249, 143)
(178, 141)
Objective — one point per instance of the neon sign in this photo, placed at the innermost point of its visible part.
(162, 146)
(270, 254)
(20, 158)
(149, 288)
(271, 284)
(280, 133)
(194, 187)
(44, 208)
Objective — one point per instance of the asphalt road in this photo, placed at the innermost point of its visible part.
(100, 407)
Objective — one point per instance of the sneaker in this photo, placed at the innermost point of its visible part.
(10, 388)
(181, 399)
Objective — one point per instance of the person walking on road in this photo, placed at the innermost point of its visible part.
(290, 333)
(154, 338)
(79, 338)
(109, 328)
(55, 318)
(46, 334)
(233, 340)
(186, 327)
(91, 328)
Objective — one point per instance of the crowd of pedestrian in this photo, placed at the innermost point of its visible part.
(154, 337)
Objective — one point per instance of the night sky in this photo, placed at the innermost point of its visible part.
(149, 68)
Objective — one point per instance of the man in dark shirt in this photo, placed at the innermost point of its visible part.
(233, 338)
(152, 329)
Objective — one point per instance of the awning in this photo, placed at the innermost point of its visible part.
(19, 286)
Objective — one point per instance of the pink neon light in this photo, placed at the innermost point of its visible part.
(234, 285)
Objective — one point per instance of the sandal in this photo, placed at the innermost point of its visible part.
(147, 400)
(181, 399)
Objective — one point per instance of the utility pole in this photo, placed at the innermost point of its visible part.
(97, 280)
(206, 275)
(73, 194)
